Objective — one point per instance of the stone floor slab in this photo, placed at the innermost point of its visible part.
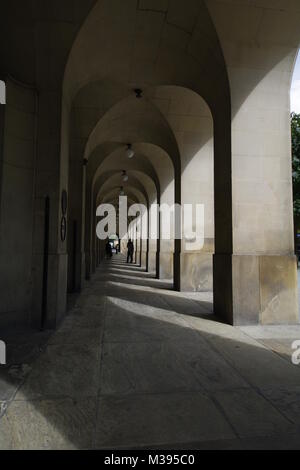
(259, 366)
(123, 325)
(63, 371)
(130, 368)
(135, 364)
(286, 400)
(152, 419)
(251, 414)
(49, 425)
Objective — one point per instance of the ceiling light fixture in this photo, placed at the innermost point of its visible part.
(122, 192)
(125, 176)
(129, 153)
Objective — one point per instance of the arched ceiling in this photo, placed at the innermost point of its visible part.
(114, 194)
(137, 179)
(133, 121)
(162, 48)
(147, 183)
(172, 42)
(165, 117)
(116, 181)
(119, 162)
(181, 108)
(148, 46)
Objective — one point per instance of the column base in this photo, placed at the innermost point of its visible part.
(251, 290)
(166, 265)
(144, 259)
(76, 269)
(57, 291)
(196, 272)
(152, 261)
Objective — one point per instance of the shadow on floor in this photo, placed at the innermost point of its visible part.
(135, 367)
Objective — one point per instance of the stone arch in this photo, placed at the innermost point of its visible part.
(189, 75)
(144, 178)
(238, 67)
(119, 99)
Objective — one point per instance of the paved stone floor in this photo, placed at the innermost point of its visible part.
(135, 365)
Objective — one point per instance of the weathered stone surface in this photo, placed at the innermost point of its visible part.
(130, 368)
(166, 265)
(152, 419)
(286, 400)
(62, 424)
(246, 290)
(137, 365)
(278, 290)
(251, 414)
(64, 370)
(196, 272)
(256, 289)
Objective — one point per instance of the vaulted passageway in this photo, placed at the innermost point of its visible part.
(163, 103)
(200, 93)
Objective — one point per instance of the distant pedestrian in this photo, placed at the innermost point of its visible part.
(130, 252)
(108, 250)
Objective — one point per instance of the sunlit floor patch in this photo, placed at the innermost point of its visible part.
(136, 364)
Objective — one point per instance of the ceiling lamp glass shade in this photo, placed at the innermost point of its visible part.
(129, 152)
(125, 177)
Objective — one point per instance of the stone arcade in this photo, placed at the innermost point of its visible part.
(166, 102)
(211, 126)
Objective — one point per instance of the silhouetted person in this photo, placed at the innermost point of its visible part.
(130, 248)
(108, 250)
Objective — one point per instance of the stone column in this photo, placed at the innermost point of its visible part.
(166, 259)
(262, 286)
(145, 240)
(77, 175)
(263, 263)
(153, 245)
(88, 231)
(18, 119)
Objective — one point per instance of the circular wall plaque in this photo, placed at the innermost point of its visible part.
(63, 229)
(64, 202)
